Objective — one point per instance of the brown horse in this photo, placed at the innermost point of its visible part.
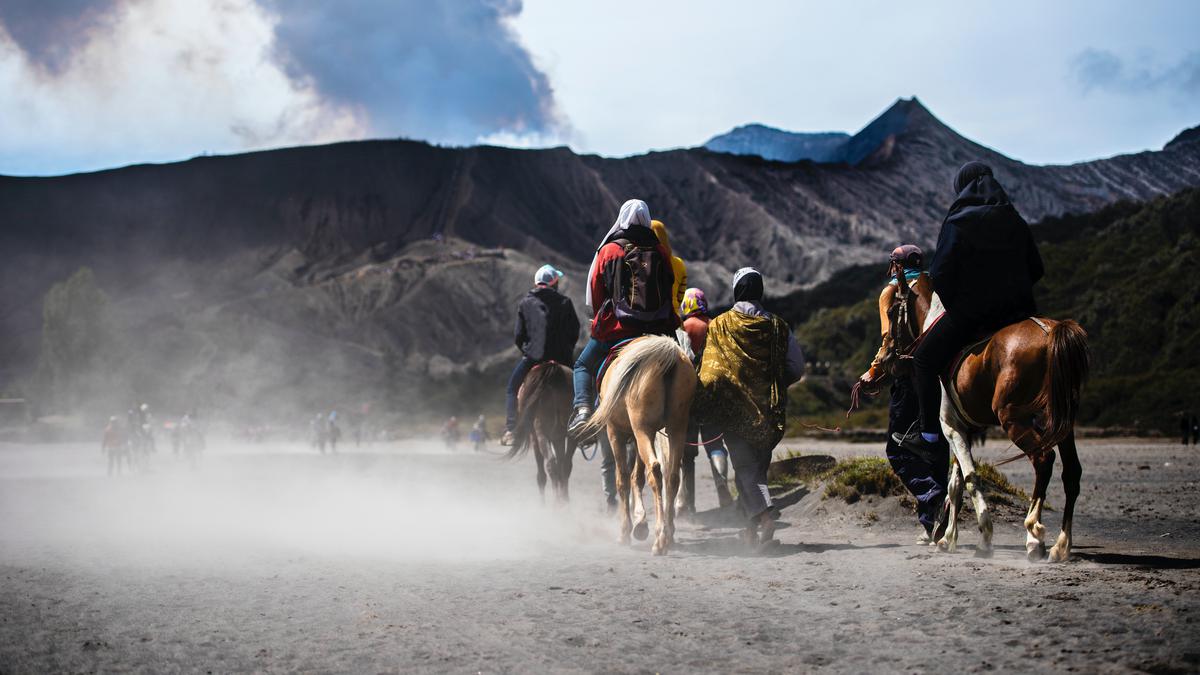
(649, 386)
(1027, 379)
(543, 411)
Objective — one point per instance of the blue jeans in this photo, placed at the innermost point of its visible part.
(514, 387)
(585, 370)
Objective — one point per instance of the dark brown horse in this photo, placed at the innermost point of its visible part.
(1026, 379)
(543, 411)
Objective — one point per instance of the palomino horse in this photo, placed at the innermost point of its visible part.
(544, 409)
(649, 386)
(1026, 379)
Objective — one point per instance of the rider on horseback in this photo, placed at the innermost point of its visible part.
(629, 293)
(547, 330)
(983, 270)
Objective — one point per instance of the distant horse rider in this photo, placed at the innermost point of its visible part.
(983, 271)
(901, 311)
(547, 330)
(629, 293)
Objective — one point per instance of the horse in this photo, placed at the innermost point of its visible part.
(649, 386)
(1026, 379)
(543, 412)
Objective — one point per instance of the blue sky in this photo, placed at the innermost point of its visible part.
(91, 84)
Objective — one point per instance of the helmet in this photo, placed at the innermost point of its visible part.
(908, 255)
(547, 275)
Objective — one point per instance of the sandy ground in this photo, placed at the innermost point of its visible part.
(407, 557)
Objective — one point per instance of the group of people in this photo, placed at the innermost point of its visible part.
(983, 270)
(324, 430)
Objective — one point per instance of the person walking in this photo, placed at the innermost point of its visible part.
(750, 358)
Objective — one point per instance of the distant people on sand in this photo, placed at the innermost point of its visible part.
(547, 330)
(450, 433)
(114, 444)
(479, 434)
(903, 305)
(333, 431)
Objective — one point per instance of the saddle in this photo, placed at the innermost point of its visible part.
(951, 374)
(612, 356)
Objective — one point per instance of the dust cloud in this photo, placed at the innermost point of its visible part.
(409, 502)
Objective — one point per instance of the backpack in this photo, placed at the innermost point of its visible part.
(640, 291)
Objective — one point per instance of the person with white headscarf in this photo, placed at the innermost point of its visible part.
(613, 319)
(750, 359)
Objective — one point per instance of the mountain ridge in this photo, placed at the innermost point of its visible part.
(198, 244)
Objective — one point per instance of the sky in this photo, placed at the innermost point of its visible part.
(92, 84)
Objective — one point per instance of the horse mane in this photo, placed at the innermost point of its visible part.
(541, 381)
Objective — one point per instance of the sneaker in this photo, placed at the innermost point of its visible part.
(507, 438)
(582, 415)
(918, 446)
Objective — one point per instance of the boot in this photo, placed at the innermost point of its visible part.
(582, 414)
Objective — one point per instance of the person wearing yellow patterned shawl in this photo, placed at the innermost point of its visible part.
(750, 358)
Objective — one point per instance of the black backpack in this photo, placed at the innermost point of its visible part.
(640, 291)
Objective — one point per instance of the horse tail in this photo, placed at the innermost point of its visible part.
(644, 362)
(1067, 369)
(541, 382)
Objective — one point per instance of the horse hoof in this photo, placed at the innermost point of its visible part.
(658, 549)
(946, 546)
(1036, 553)
(1059, 555)
(641, 531)
(981, 552)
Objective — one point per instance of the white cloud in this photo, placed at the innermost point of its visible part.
(169, 80)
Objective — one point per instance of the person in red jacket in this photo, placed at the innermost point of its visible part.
(613, 318)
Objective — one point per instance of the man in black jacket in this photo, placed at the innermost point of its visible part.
(547, 330)
(984, 270)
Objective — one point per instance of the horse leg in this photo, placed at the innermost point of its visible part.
(637, 474)
(676, 437)
(541, 469)
(686, 503)
(954, 490)
(1043, 467)
(1071, 473)
(566, 459)
(622, 480)
(653, 471)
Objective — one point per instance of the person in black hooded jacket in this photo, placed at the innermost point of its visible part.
(984, 270)
(547, 330)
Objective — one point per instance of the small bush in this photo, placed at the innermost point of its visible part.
(853, 478)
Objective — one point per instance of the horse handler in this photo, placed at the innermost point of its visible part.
(901, 313)
(750, 358)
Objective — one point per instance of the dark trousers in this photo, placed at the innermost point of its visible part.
(585, 370)
(750, 465)
(940, 343)
(926, 482)
(525, 365)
